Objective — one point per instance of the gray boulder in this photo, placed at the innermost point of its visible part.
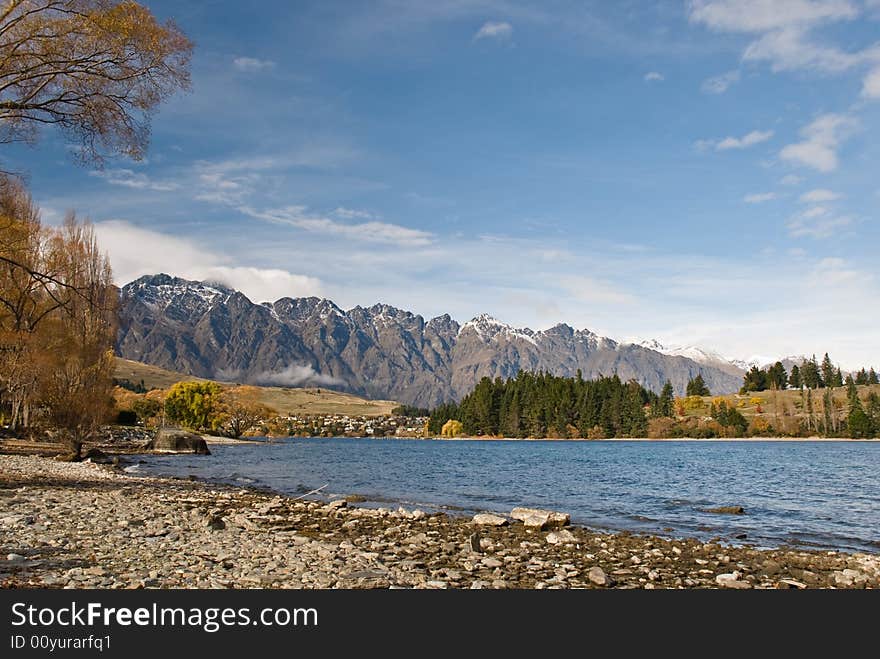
(541, 518)
(178, 441)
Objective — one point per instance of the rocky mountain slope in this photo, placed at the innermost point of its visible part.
(212, 331)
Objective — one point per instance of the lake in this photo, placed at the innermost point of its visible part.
(809, 494)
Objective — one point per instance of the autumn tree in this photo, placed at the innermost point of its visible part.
(96, 69)
(240, 410)
(193, 404)
(451, 428)
(57, 321)
(57, 310)
(75, 374)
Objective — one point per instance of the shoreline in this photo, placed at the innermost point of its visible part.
(632, 439)
(158, 532)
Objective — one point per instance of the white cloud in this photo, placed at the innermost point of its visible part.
(815, 211)
(784, 31)
(744, 142)
(379, 232)
(871, 85)
(791, 50)
(821, 140)
(790, 179)
(720, 83)
(833, 271)
(353, 214)
(817, 222)
(750, 139)
(294, 376)
(252, 65)
(131, 179)
(135, 252)
(765, 15)
(595, 291)
(759, 197)
(494, 30)
(818, 195)
(654, 76)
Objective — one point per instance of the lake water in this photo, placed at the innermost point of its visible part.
(810, 494)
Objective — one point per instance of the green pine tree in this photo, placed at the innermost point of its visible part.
(828, 373)
(794, 379)
(697, 386)
(666, 400)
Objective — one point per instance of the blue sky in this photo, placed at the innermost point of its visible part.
(696, 172)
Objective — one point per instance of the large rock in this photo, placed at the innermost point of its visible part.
(563, 537)
(487, 519)
(732, 580)
(541, 519)
(178, 441)
(597, 576)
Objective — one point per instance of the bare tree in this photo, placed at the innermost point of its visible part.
(98, 69)
(241, 410)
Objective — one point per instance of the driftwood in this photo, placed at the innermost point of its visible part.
(303, 496)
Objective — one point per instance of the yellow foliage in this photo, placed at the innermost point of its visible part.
(692, 403)
(759, 425)
(451, 428)
(755, 400)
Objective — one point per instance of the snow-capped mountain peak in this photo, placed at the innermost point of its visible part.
(696, 353)
(164, 291)
(489, 329)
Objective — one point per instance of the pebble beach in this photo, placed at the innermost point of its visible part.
(84, 525)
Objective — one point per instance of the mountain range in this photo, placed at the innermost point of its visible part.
(209, 330)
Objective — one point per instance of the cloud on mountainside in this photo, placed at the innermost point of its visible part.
(294, 375)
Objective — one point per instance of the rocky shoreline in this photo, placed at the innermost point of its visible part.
(82, 525)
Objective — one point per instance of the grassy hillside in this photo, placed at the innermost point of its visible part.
(281, 399)
(780, 408)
